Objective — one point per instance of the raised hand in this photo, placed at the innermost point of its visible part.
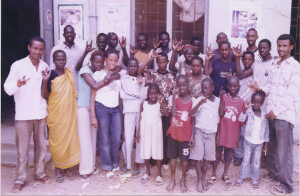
(22, 81)
(156, 43)
(174, 44)
(88, 47)
(155, 54)
(148, 78)
(45, 75)
(133, 49)
(161, 100)
(188, 73)
(140, 79)
(209, 52)
(253, 85)
(248, 104)
(122, 42)
(222, 93)
(228, 75)
(238, 52)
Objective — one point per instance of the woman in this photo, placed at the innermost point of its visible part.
(59, 85)
(112, 42)
(105, 112)
(87, 133)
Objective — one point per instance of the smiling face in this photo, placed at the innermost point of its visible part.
(113, 41)
(251, 37)
(225, 51)
(196, 66)
(60, 60)
(284, 48)
(98, 63)
(142, 42)
(133, 68)
(247, 60)
(101, 43)
(182, 85)
(257, 102)
(152, 94)
(188, 55)
(36, 50)
(69, 34)
(207, 89)
(264, 49)
(164, 38)
(111, 61)
(162, 63)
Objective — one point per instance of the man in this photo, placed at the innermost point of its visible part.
(101, 45)
(251, 40)
(282, 88)
(217, 52)
(197, 43)
(73, 51)
(24, 82)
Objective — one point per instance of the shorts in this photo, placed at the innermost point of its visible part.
(204, 146)
(178, 149)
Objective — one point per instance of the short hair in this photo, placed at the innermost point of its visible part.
(163, 54)
(58, 51)
(69, 26)
(133, 59)
(164, 32)
(198, 58)
(97, 53)
(102, 34)
(248, 52)
(259, 93)
(252, 29)
(195, 38)
(225, 42)
(111, 51)
(182, 77)
(211, 82)
(265, 41)
(234, 77)
(285, 37)
(111, 34)
(36, 38)
(144, 34)
(220, 34)
(154, 86)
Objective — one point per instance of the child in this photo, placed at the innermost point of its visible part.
(189, 54)
(150, 132)
(256, 134)
(179, 133)
(231, 106)
(166, 83)
(133, 94)
(196, 77)
(206, 111)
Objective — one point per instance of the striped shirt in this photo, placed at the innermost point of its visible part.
(282, 88)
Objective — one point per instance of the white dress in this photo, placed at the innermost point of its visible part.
(151, 132)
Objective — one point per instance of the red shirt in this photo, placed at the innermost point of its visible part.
(230, 124)
(181, 127)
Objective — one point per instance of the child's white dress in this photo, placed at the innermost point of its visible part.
(151, 132)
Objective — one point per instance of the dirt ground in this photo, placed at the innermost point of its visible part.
(100, 185)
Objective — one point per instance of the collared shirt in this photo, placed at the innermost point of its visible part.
(282, 89)
(73, 55)
(30, 104)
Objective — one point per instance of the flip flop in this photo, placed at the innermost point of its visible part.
(17, 187)
(96, 171)
(116, 170)
(71, 176)
(254, 184)
(159, 181)
(84, 178)
(45, 180)
(135, 174)
(145, 178)
(278, 191)
(124, 169)
(110, 174)
(59, 178)
(239, 182)
(211, 181)
(226, 180)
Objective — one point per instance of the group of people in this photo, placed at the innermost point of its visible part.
(172, 103)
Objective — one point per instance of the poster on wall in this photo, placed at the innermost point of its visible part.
(71, 15)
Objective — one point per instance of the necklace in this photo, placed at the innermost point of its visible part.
(237, 97)
(266, 74)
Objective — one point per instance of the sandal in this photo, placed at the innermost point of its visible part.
(45, 180)
(96, 171)
(239, 182)
(266, 177)
(254, 184)
(17, 187)
(145, 178)
(84, 177)
(226, 180)
(278, 191)
(71, 176)
(110, 175)
(59, 178)
(124, 169)
(212, 180)
(135, 174)
(116, 171)
(159, 181)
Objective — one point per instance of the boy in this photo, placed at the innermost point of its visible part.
(206, 112)
(217, 52)
(218, 69)
(231, 106)
(166, 83)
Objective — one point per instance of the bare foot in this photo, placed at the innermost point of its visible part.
(204, 185)
(199, 187)
(171, 185)
(183, 188)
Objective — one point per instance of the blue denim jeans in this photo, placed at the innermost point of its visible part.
(109, 123)
(280, 153)
(238, 151)
(252, 153)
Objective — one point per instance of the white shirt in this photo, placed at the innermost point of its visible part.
(169, 58)
(207, 116)
(245, 92)
(30, 104)
(255, 138)
(109, 94)
(73, 55)
(261, 71)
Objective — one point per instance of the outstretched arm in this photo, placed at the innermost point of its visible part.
(88, 49)
(148, 62)
(125, 58)
(208, 63)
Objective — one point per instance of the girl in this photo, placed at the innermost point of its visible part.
(151, 133)
(256, 134)
(87, 133)
(59, 86)
(112, 42)
(196, 77)
(105, 112)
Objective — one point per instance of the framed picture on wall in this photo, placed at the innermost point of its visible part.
(71, 14)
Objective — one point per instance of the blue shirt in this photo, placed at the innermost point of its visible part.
(84, 90)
